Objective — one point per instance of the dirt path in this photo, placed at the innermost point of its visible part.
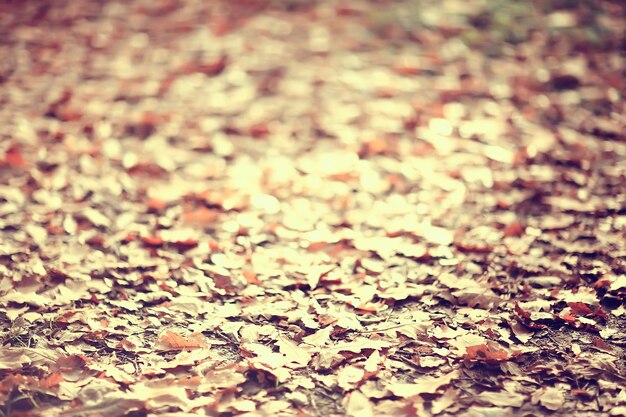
(295, 208)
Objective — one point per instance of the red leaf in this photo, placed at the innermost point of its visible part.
(485, 353)
(174, 340)
(600, 313)
(95, 241)
(207, 68)
(154, 241)
(523, 314)
(51, 380)
(579, 308)
(259, 130)
(568, 318)
(13, 157)
(514, 229)
(602, 283)
(601, 344)
(582, 393)
(251, 277)
(469, 247)
(186, 244)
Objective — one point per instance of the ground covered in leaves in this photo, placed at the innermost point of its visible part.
(296, 208)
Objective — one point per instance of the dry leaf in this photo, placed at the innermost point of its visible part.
(292, 352)
(349, 376)
(171, 340)
(358, 405)
(550, 397)
(425, 385)
(502, 398)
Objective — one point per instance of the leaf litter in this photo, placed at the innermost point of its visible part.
(292, 208)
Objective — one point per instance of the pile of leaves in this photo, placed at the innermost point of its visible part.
(292, 208)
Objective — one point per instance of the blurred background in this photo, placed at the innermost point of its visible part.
(226, 65)
(192, 91)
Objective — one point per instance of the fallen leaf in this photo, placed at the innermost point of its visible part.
(550, 397)
(424, 385)
(358, 405)
(485, 353)
(349, 376)
(171, 340)
(292, 352)
(502, 398)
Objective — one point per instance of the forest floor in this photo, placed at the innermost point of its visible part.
(297, 208)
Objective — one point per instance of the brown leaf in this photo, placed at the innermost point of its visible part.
(184, 245)
(171, 340)
(485, 353)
